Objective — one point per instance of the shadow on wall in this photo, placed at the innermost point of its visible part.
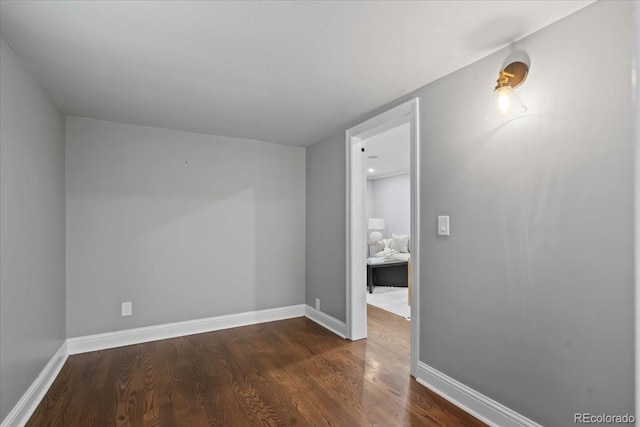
(185, 226)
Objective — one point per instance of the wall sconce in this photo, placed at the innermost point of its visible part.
(504, 101)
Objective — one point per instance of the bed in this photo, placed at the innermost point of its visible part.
(389, 264)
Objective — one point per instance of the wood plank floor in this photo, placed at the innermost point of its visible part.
(286, 373)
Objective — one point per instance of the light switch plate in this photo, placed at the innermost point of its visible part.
(443, 225)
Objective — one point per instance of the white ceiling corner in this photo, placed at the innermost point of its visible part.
(288, 72)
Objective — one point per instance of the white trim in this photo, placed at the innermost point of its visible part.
(30, 400)
(407, 112)
(389, 175)
(414, 115)
(23, 410)
(480, 406)
(356, 232)
(171, 330)
(323, 319)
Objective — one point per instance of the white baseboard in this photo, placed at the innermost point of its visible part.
(473, 402)
(29, 401)
(331, 323)
(178, 329)
(23, 410)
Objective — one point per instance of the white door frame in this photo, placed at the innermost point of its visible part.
(355, 221)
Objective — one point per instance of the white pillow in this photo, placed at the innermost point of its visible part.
(400, 243)
(378, 246)
(387, 243)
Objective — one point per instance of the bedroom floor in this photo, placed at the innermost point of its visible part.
(290, 372)
(392, 299)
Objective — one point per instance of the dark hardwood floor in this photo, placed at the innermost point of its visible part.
(287, 373)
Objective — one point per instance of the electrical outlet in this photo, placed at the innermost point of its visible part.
(126, 308)
(318, 304)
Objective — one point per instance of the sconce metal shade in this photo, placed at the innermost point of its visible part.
(505, 103)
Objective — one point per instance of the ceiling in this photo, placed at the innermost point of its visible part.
(391, 150)
(289, 72)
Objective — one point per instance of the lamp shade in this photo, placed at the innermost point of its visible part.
(504, 104)
(376, 224)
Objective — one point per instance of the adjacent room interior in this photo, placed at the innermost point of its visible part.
(175, 213)
(388, 213)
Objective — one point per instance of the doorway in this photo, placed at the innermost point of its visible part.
(356, 220)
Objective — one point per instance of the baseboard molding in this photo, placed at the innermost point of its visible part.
(473, 402)
(331, 323)
(172, 330)
(29, 401)
(23, 410)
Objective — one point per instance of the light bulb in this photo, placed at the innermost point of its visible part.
(504, 104)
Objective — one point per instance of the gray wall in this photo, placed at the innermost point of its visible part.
(325, 235)
(32, 237)
(369, 204)
(637, 206)
(391, 200)
(530, 300)
(531, 278)
(184, 225)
